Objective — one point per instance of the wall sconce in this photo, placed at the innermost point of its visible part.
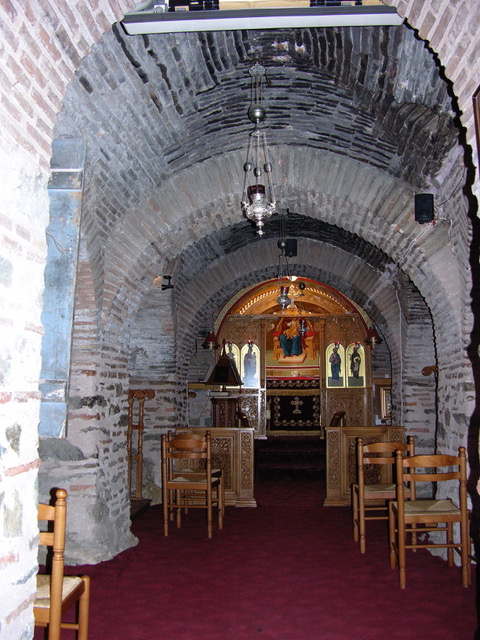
(168, 284)
(211, 342)
(372, 337)
(427, 371)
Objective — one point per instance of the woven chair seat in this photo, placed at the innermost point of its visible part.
(415, 507)
(42, 597)
(201, 479)
(379, 488)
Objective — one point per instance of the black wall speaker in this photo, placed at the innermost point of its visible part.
(424, 207)
(290, 247)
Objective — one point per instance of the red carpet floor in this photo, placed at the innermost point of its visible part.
(287, 570)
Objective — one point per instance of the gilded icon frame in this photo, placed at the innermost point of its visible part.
(385, 403)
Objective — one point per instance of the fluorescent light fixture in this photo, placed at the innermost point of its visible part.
(147, 22)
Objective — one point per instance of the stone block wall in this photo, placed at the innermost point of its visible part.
(22, 253)
(41, 44)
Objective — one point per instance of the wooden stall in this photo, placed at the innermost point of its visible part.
(341, 458)
(232, 451)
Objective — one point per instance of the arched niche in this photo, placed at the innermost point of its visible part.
(292, 340)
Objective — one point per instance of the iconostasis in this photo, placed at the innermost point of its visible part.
(300, 348)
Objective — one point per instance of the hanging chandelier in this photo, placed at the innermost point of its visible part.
(258, 200)
(283, 300)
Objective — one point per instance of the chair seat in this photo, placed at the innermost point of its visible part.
(195, 472)
(200, 478)
(42, 597)
(430, 507)
(380, 488)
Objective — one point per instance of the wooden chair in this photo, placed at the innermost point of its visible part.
(187, 468)
(57, 593)
(369, 499)
(414, 519)
(183, 486)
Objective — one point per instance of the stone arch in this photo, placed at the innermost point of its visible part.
(202, 293)
(122, 296)
(418, 14)
(384, 218)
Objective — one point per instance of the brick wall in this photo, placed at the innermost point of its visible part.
(450, 29)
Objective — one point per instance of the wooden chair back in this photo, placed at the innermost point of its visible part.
(408, 519)
(381, 453)
(185, 447)
(55, 540)
(184, 482)
(369, 495)
(56, 593)
(432, 469)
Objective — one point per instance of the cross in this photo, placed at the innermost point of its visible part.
(297, 403)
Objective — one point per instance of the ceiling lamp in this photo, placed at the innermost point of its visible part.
(157, 16)
(283, 300)
(258, 200)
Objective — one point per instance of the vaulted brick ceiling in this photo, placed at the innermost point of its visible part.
(171, 110)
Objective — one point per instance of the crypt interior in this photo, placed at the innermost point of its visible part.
(149, 252)
(358, 122)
